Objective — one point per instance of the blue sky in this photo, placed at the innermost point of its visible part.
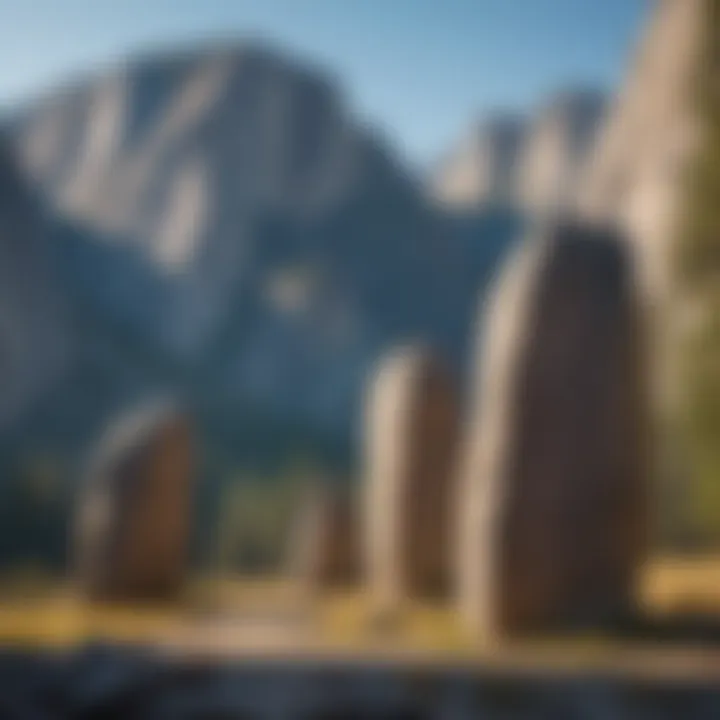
(422, 69)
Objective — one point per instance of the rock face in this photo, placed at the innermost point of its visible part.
(325, 550)
(241, 227)
(34, 336)
(410, 442)
(482, 170)
(214, 170)
(637, 179)
(133, 520)
(636, 173)
(556, 151)
(552, 507)
(531, 164)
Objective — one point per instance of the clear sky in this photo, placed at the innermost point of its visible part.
(422, 69)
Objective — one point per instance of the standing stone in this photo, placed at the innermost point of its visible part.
(552, 500)
(133, 521)
(411, 431)
(324, 547)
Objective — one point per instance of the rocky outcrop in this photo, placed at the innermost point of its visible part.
(638, 178)
(482, 169)
(531, 163)
(556, 151)
(638, 166)
(552, 510)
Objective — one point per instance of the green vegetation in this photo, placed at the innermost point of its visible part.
(698, 286)
(255, 517)
(35, 511)
(242, 515)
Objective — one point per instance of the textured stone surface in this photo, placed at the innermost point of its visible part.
(482, 169)
(529, 162)
(637, 178)
(223, 206)
(324, 547)
(561, 135)
(411, 429)
(133, 519)
(552, 509)
(636, 173)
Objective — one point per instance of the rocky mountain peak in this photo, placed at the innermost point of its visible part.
(482, 168)
(531, 163)
(556, 152)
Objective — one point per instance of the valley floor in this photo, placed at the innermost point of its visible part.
(234, 619)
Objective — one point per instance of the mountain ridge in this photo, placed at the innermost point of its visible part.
(236, 224)
(537, 157)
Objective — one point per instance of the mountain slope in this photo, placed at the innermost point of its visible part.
(179, 158)
(232, 234)
(34, 337)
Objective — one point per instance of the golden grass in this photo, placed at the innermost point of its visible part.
(49, 615)
(682, 585)
(62, 620)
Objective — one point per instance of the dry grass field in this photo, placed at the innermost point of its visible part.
(682, 585)
(234, 614)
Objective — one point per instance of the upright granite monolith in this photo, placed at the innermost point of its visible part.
(134, 514)
(324, 547)
(552, 502)
(411, 428)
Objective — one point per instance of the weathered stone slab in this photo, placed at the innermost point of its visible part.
(552, 502)
(324, 545)
(410, 443)
(133, 519)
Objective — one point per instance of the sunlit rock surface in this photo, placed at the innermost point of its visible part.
(408, 479)
(233, 233)
(530, 162)
(559, 142)
(483, 168)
